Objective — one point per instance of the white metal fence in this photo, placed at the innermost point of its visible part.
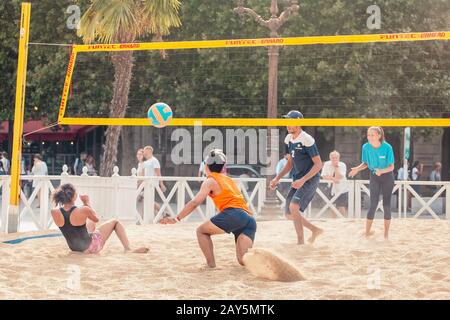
(134, 198)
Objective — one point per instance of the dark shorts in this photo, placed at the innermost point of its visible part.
(236, 221)
(302, 196)
(342, 200)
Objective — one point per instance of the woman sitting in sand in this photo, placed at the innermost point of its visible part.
(77, 224)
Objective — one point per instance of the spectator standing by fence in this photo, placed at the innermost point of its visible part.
(39, 169)
(416, 174)
(435, 175)
(79, 164)
(90, 165)
(335, 171)
(5, 162)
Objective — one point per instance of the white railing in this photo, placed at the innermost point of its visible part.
(4, 189)
(359, 191)
(126, 198)
(424, 204)
(133, 198)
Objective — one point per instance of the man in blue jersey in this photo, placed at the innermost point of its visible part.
(304, 157)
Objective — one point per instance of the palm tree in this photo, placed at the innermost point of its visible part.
(124, 21)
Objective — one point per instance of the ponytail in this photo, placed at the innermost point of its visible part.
(64, 194)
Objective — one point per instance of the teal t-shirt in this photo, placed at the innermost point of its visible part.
(379, 158)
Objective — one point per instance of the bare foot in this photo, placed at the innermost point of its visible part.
(141, 250)
(208, 266)
(317, 232)
(367, 235)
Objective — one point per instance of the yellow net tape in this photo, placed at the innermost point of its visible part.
(245, 122)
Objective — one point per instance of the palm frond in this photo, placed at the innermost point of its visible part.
(125, 20)
(161, 15)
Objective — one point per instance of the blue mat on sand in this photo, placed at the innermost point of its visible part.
(20, 240)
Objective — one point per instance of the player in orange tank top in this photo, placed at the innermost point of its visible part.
(231, 196)
(234, 214)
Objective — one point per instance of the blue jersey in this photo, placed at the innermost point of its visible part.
(302, 150)
(379, 158)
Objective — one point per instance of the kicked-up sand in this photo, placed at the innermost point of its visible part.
(414, 264)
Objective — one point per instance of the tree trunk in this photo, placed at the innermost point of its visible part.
(123, 67)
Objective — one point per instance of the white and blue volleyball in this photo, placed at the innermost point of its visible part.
(160, 114)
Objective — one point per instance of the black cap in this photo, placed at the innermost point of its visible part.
(294, 114)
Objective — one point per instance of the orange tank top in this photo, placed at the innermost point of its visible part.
(230, 196)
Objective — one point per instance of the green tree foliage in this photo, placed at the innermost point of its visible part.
(124, 21)
(9, 19)
(46, 64)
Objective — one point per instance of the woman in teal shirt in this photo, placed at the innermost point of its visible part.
(378, 156)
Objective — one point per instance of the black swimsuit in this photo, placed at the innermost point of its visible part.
(77, 237)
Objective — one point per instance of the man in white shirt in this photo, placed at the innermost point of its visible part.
(403, 173)
(152, 168)
(335, 171)
(39, 169)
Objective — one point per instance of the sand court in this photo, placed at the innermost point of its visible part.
(340, 265)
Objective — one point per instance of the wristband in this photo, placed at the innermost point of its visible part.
(177, 218)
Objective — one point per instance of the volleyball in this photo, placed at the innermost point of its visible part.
(160, 114)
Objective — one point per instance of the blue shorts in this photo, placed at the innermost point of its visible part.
(302, 196)
(236, 221)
